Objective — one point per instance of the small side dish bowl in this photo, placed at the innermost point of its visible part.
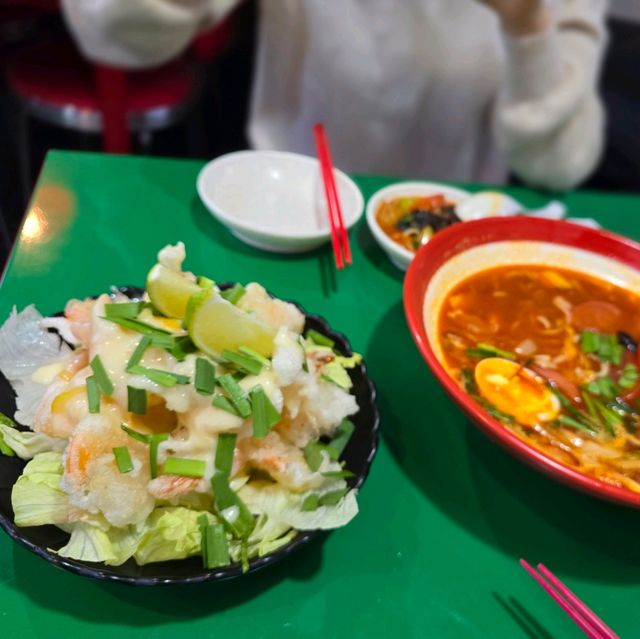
(274, 200)
(463, 250)
(400, 256)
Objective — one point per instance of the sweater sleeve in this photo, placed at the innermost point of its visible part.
(137, 34)
(550, 120)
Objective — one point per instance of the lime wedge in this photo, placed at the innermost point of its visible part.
(170, 291)
(215, 324)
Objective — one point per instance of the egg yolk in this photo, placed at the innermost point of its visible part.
(516, 390)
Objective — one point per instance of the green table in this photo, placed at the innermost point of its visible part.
(445, 514)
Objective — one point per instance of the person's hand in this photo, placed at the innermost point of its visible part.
(521, 17)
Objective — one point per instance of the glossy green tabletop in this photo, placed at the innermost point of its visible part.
(445, 514)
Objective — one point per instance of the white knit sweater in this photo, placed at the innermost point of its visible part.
(424, 88)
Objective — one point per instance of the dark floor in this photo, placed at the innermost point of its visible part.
(220, 114)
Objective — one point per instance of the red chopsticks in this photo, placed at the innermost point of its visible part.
(339, 237)
(575, 608)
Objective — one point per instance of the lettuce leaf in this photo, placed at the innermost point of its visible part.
(285, 508)
(25, 346)
(90, 543)
(37, 498)
(170, 533)
(27, 444)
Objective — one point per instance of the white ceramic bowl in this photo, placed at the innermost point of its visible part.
(400, 256)
(274, 200)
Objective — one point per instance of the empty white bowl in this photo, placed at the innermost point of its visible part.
(400, 256)
(274, 200)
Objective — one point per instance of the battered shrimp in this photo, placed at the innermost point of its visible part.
(284, 462)
(91, 477)
(63, 404)
(79, 315)
(170, 486)
(271, 311)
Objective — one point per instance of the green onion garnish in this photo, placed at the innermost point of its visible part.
(319, 339)
(610, 419)
(127, 310)
(220, 401)
(629, 377)
(184, 467)
(249, 352)
(205, 379)
(339, 442)
(137, 326)
(164, 378)
(313, 454)
(205, 282)
(483, 350)
(181, 346)
(154, 441)
(224, 453)
(233, 294)
(236, 394)
(101, 376)
(604, 387)
(123, 459)
(93, 394)
(338, 474)
(136, 357)
(215, 548)
(203, 524)
(265, 415)
(230, 508)
(332, 498)
(311, 502)
(565, 420)
(245, 363)
(137, 400)
(140, 437)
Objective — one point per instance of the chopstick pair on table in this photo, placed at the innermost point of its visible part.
(339, 236)
(587, 620)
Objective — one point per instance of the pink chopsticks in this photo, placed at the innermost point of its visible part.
(575, 608)
(339, 237)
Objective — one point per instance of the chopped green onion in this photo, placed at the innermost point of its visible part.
(203, 524)
(100, 374)
(236, 394)
(483, 350)
(334, 497)
(311, 502)
(136, 400)
(319, 339)
(184, 467)
(565, 402)
(313, 454)
(137, 326)
(611, 420)
(629, 377)
(468, 381)
(233, 294)
(127, 310)
(136, 357)
(588, 402)
(205, 379)
(168, 342)
(338, 474)
(339, 442)
(249, 352)
(230, 508)
(217, 547)
(181, 347)
(565, 420)
(243, 362)
(164, 378)
(140, 437)
(123, 459)
(93, 395)
(154, 441)
(224, 453)
(220, 401)
(265, 415)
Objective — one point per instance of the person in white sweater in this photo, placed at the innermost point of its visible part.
(442, 89)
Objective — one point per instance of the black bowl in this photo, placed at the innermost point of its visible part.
(358, 456)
